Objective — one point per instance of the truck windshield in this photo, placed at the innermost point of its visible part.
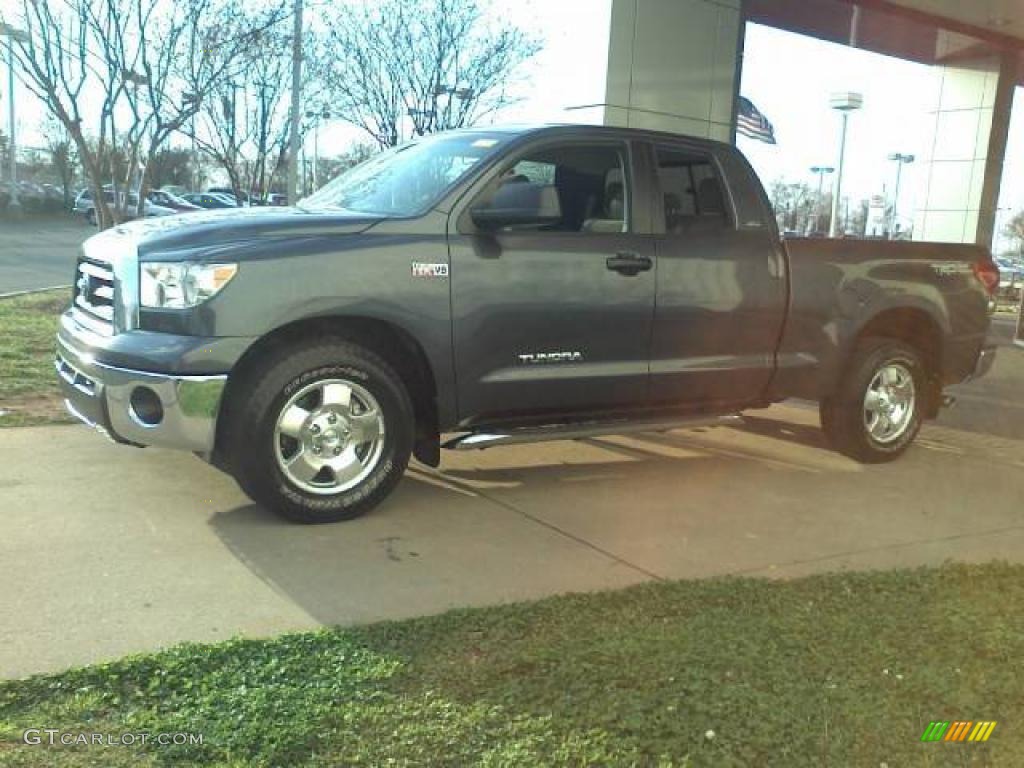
(406, 180)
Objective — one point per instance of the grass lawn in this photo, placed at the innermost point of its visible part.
(28, 382)
(833, 670)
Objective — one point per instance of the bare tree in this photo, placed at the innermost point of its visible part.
(61, 69)
(131, 63)
(797, 208)
(1015, 230)
(172, 165)
(181, 54)
(350, 158)
(244, 123)
(400, 67)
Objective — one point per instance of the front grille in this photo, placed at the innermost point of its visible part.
(94, 292)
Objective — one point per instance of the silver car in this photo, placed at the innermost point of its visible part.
(86, 206)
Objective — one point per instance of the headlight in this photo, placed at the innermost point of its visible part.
(179, 285)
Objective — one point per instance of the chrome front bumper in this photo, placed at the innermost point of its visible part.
(102, 397)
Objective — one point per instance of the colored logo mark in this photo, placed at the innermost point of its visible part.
(958, 730)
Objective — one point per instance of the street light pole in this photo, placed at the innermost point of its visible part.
(899, 159)
(846, 102)
(317, 117)
(819, 171)
(12, 34)
(293, 137)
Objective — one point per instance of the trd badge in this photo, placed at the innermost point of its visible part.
(422, 269)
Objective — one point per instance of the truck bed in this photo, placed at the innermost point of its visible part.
(839, 286)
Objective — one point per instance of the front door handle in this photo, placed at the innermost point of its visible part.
(626, 263)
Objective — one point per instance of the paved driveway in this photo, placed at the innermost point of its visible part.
(106, 550)
(39, 253)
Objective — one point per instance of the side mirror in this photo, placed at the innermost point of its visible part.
(518, 204)
(493, 219)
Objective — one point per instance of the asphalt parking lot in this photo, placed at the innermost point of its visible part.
(108, 550)
(39, 253)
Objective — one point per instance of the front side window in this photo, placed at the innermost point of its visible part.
(406, 180)
(580, 188)
(691, 191)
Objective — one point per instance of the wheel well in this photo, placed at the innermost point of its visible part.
(912, 326)
(916, 328)
(398, 348)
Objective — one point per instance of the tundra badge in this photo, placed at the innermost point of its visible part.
(533, 358)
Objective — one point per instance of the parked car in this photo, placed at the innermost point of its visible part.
(1011, 270)
(228, 199)
(499, 286)
(86, 206)
(170, 200)
(207, 200)
(241, 199)
(275, 198)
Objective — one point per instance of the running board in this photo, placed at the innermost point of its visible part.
(489, 439)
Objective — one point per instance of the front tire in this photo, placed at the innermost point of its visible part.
(320, 433)
(879, 406)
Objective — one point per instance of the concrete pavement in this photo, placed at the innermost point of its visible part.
(39, 252)
(106, 550)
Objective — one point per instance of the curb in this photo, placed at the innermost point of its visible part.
(12, 294)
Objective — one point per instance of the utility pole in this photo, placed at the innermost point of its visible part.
(293, 134)
(12, 34)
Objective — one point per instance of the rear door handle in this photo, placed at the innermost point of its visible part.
(626, 263)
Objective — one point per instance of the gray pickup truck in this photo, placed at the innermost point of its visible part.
(500, 286)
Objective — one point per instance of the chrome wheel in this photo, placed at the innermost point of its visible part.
(890, 403)
(329, 436)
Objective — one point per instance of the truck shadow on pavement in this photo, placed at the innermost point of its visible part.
(490, 528)
(801, 434)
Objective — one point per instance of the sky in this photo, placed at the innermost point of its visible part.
(897, 97)
(570, 71)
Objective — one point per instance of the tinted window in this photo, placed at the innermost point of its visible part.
(691, 190)
(581, 188)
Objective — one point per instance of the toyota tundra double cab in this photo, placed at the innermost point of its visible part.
(494, 286)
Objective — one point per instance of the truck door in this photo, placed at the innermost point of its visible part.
(721, 293)
(552, 280)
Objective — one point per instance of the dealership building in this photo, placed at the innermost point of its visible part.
(675, 65)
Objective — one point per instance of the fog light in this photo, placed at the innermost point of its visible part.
(146, 407)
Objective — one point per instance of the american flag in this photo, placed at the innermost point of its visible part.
(752, 124)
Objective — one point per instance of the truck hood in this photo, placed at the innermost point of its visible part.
(199, 234)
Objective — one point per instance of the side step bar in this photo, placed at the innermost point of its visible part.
(489, 439)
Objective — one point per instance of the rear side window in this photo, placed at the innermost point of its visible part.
(691, 190)
(574, 188)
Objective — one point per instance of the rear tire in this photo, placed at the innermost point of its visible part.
(877, 411)
(321, 432)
